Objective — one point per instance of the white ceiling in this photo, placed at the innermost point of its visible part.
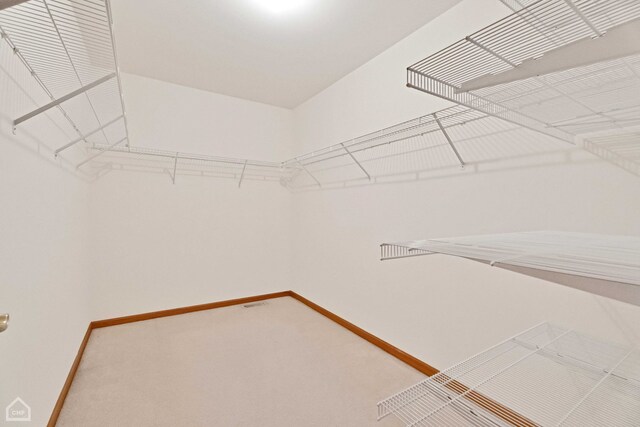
(237, 48)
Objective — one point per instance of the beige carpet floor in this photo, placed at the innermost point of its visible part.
(276, 363)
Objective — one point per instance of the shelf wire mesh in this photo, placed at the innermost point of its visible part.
(174, 164)
(605, 257)
(421, 148)
(66, 45)
(544, 376)
(562, 104)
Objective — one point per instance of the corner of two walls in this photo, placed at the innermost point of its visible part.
(133, 242)
(441, 309)
(44, 232)
(158, 245)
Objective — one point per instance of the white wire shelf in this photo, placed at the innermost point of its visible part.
(355, 159)
(68, 48)
(448, 142)
(545, 33)
(622, 150)
(544, 376)
(439, 143)
(604, 257)
(175, 164)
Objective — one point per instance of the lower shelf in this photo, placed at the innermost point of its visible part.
(544, 376)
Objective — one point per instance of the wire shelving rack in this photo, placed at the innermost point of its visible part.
(579, 98)
(544, 376)
(621, 149)
(605, 257)
(448, 142)
(68, 48)
(175, 164)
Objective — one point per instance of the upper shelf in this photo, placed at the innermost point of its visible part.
(447, 142)
(105, 159)
(614, 259)
(562, 67)
(68, 48)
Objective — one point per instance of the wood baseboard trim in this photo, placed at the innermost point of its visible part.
(410, 360)
(383, 345)
(183, 310)
(67, 384)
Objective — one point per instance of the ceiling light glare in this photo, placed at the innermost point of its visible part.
(279, 7)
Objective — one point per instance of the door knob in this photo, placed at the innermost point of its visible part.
(4, 322)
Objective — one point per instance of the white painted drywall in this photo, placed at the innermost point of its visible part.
(43, 245)
(136, 242)
(156, 245)
(437, 308)
(168, 116)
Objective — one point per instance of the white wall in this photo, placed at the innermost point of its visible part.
(172, 117)
(437, 308)
(133, 242)
(156, 245)
(43, 245)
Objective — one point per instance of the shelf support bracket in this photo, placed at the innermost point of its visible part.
(244, 167)
(62, 99)
(83, 137)
(490, 51)
(356, 160)
(309, 173)
(88, 159)
(446, 135)
(175, 168)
